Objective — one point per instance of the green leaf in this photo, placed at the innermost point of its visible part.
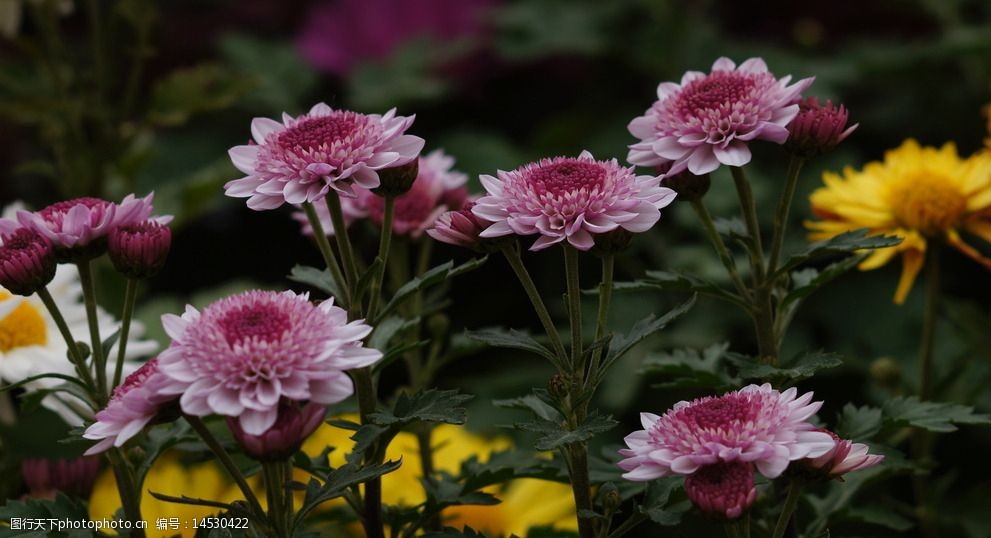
(431, 405)
(677, 281)
(316, 278)
(280, 78)
(387, 329)
(806, 281)
(858, 423)
(554, 435)
(431, 278)
(844, 243)
(189, 91)
(657, 503)
(692, 368)
(620, 345)
(511, 339)
(735, 230)
(801, 367)
(62, 507)
(337, 483)
(532, 403)
(450, 532)
(365, 280)
(932, 416)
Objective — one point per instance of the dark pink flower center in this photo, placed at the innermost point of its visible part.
(568, 175)
(136, 379)
(55, 213)
(312, 133)
(714, 90)
(723, 412)
(23, 239)
(265, 322)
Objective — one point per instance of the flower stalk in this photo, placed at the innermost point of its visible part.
(96, 344)
(130, 294)
(320, 236)
(225, 460)
(343, 239)
(791, 503)
(512, 254)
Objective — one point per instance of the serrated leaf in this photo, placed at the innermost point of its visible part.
(932, 416)
(844, 243)
(511, 339)
(673, 280)
(657, 503)
(431, 405)
(531, 403)
(337, 483)
(806, 281)
(554, 435)
(801, 367)
(387, 329)
(317, 278)
(692, 368)
(622, 344)
(858, 423)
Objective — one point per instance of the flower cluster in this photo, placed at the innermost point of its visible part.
(717, 442)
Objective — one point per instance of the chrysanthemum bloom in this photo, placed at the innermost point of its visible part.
(461, 228)
(437, 188)
(756, 424)
(708, 119)
(136, 402)
(284, 438)
(920, 194)
(724, 489)
(139, 250)
(302, 158)
(74, 476)
(27, 262)
(241, 355)
(817, 128)
(79, 227)
(845, 457)
(567, 198)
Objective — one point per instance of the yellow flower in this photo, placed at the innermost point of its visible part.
(921, 194)
(169, 476)
(526, 503)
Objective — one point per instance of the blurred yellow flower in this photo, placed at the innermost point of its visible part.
(921, 194)
(526, 503)
(169, 476)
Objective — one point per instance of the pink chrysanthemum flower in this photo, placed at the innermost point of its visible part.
(241, 355)
(756, 424)
(708, 119)
(845, 457)
(567, 198)
(133, 405)
(302, 158)
(724, 489)
(74, 224)
(437, 188)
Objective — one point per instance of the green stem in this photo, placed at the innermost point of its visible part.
(130, 497)
(784, 207)
(581, 487)
(791, 503)
(275, 490)
(731, 530)
(717, 242)
(423, 438)
(385, 243)
(626, 526)
(574, 309)
(225, 460)
(328, 253)
(343, 239)
(602, 319)
(77, 358)
(921, 441)
(749, 210)
(96, 344)
(364, 386)
(512, 254)
(130, 293)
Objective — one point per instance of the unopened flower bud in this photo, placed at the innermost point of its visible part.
(690, 188)
(462, 228)
(817, 129)
(139, 250)
(27, 262)
(398, 179)
(613, 242)
(558, 386)
(724, 490)
(438, 325)
(610, 498)
(293, 425)
(845, 457)
(886, 371)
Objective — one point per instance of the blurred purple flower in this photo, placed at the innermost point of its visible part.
(338, 34)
